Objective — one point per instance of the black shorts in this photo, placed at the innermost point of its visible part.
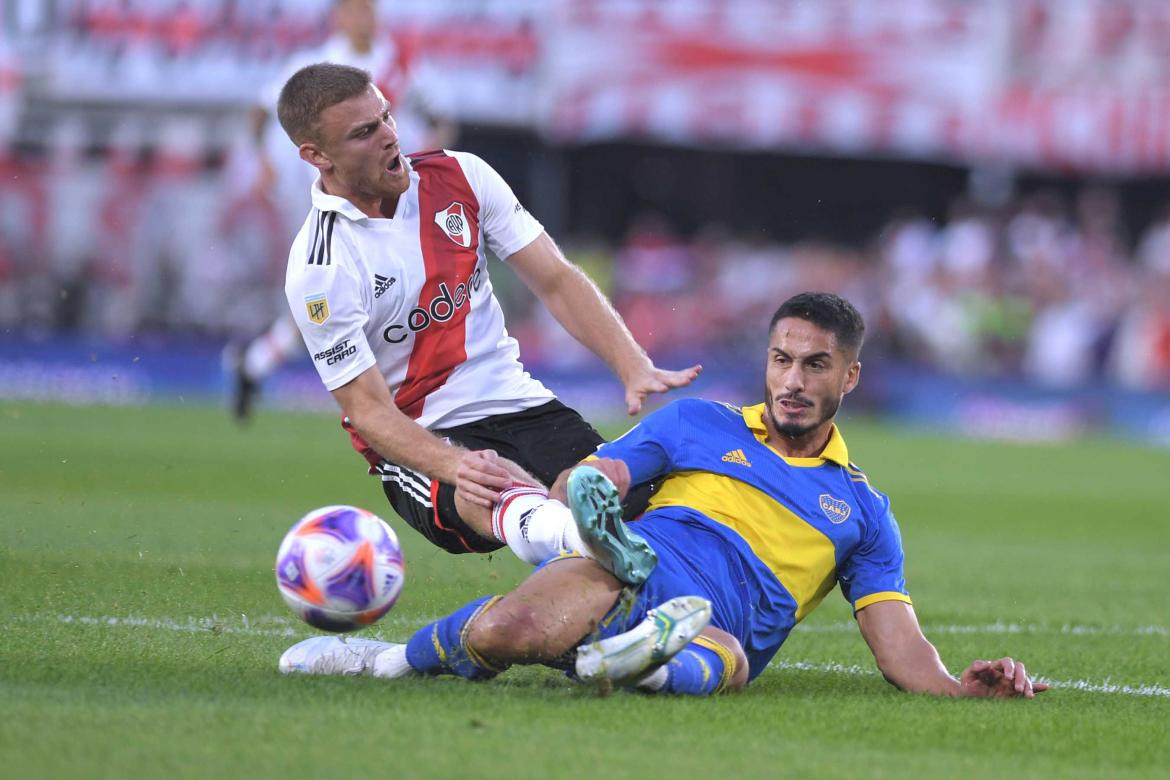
(544, 441)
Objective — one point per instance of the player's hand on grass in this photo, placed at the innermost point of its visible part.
(649, 379)
(480, 477)
(1002, 679)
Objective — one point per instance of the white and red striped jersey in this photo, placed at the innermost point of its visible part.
(411, 294)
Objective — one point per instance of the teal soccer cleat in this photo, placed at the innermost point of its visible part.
(596, 507)
(667, 629)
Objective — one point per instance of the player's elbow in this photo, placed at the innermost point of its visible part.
(360, 407)
(892, 666)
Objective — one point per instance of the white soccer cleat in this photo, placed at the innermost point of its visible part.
(332, 655)
(667, 629)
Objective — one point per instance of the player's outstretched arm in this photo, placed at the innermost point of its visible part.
(910, 662)
(478, 476)
(587, 315)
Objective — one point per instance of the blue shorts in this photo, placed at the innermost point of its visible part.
(698, 557)
(693, 560)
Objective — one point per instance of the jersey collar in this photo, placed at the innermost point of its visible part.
(323, 201)
(834, 452)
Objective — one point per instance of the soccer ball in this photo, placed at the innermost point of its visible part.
(340, 568)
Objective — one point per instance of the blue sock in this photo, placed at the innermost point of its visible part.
(440, 647)
(700, 669)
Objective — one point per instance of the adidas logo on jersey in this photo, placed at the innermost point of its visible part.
(737, 456)
(382, 284)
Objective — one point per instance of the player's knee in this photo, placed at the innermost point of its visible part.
(738, 678)
(510, 633)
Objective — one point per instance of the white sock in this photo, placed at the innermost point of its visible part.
(271, 348)
(392, 663)
(534, 526)
(655, 681)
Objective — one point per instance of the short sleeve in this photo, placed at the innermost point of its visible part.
(646, 448)
(327, 305)
(873, 572)
(507, 225)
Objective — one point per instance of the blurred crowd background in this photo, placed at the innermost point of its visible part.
(988, 179)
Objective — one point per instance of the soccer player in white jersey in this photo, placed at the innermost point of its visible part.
(389, 285)
(284, 178)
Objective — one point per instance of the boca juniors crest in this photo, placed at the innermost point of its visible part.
(453, 222)
(835, 509)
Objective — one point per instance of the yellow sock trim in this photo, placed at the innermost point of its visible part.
(475, 657)
(439, 651)
(725, 656)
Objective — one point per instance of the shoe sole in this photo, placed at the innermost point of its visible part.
(597, 511)
(667, 629)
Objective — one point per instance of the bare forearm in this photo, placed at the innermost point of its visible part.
(911, 663)
(917, 668)
(410, 445)
(905, 657)
(399, 439)
(583, 310)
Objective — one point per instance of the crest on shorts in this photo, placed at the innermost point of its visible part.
(318, 308)
(835, 509)
(453, 222)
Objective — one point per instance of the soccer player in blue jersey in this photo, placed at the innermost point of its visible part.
(759, 515)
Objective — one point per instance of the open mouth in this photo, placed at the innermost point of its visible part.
(395, 165)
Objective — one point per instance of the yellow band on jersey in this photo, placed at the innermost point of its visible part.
(801, 557)
(873, 598)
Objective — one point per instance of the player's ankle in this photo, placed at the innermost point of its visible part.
(533, 526)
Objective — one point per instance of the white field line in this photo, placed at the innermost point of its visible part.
(282, 626)
(1151, 689)
(1065, 629)
(262, 625)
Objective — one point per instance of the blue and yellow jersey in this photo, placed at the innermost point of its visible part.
(793, 527)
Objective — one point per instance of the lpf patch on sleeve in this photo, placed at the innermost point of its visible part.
(318, 307)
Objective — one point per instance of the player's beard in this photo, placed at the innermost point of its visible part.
(829, 407)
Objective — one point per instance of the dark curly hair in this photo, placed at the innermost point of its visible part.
(829, 312)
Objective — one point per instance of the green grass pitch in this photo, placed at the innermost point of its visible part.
(140, 624)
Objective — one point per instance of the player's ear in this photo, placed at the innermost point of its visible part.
(312, 154)
(853, 376)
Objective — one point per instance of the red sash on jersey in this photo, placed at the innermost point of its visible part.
(441, 347)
